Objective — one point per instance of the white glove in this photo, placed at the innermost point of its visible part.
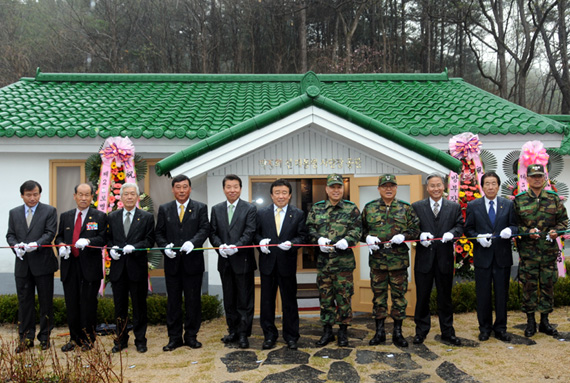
(64, 252)
(128, 249)
(372, 241)
(398, 239)
(424, 239)
(323, 242)
(342, 244)
(168, 251)
(263, 243)
(506, 233)
(484, 240)
(231, 250)
(20, 250)
(548, 238)
(81, 243)
(114, 253)
(222, 250)
(285, 246)
(447, 237)
(32, 246)
(187, 247)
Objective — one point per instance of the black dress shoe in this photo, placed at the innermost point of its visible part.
(455, 341)
(86, 346)
(230, 338)
(292, 345)
(141, 348)
(44, 345)
(24, 345)
(118, 348)
(418, 339)
(243, 342)
(69, 346)
(268, 344)
(193, 343)
(503, 336)
(484, 336)
(172, 345)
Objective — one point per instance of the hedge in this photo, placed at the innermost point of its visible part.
(211, 309)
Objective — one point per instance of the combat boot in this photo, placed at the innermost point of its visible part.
(342, 336)
(380, 336)
(545, 326)
(327, 337)
(397, 337)
(530, 329)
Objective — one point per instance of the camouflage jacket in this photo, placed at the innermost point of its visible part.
(384, 222)
(545, 212)
(335, 222)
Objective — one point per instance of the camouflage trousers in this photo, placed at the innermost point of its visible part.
(335, 292)
(397, 280)
(537, 278)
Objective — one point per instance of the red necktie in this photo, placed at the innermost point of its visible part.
(76, 231)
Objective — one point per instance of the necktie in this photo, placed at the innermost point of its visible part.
(278, 220)
(231, 213)
(492, 212)
(127, 223)
(436, 209)
(29, 217)
(181, 215)
(76, 231)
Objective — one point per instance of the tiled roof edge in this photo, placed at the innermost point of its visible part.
(389, 133)
(192, 152)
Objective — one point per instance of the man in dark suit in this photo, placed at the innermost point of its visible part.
(132, 230)
(283, 225)
(81, 266)
(183, 224)
(492, 221)
(439, 218)
(30, 227)
(233, 224)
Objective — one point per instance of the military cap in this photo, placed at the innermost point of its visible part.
(334, 179)
(535, 170)
(387, 178)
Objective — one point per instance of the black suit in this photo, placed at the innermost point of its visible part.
(184, 272)
(130, 272)
(279, 269)
(35, 270)
(236, 271)
(436, 262)
(81, 276)
(492, 264)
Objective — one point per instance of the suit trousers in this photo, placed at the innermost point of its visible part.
(493, 279)
(443, 285)
(238, 290)
(288, 291)
(26, 289)
(81, 303)
(139, 291)
(191, 286)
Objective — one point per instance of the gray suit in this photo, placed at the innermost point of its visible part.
(36, 269)
(236, 271)
(436, 262)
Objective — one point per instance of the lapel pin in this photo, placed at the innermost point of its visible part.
(190, 211)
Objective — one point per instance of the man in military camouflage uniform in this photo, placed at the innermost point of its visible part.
(541, 213)
(391, 221)
(335, 225)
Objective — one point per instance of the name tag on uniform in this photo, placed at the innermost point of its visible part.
(92, 225)
(529, 207)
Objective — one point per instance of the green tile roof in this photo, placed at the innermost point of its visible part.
(194, 106)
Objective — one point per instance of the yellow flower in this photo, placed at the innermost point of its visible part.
(95, 203)
(113, 165)
(107, 264)
(121, 176)
(463, 240)
(467, 247)
(461, 194)
(477, 195)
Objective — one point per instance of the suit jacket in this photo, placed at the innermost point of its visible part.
(477, 222)
(240, 232)
(42, 231)
(194, 228)
(140, 235)
(94, 229)
(450, 220)
(293, 229)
